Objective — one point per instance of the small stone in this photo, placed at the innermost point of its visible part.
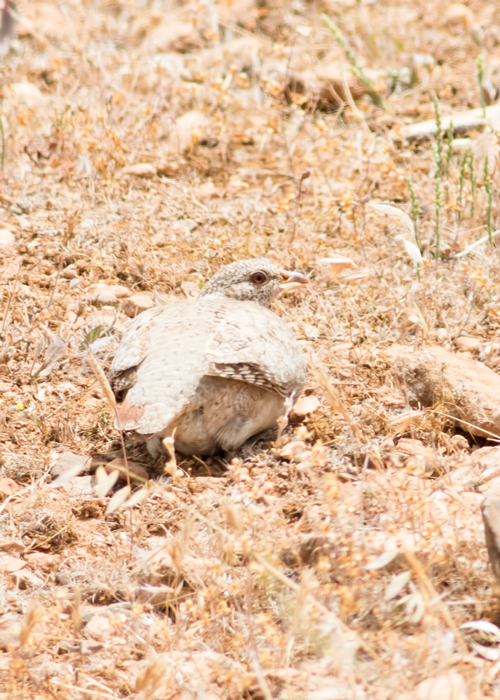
(80, 486)
(62, 578)
(304, 407)
(9, 565)
(146, 170)
(447, 687)
(467, 344)
(70, 461)
(490, 509)
(292, 450)
(459, 15)
(69, 273)
(137, 471)
(460, 443)
(104, 298)
(8, 487)
(41, 561)
(118, 290)
(410, 447)
(27, 579)
(99, 628)
(10, 627)
(168, 169)
(487, 459)
(188, 130)
(467, 390)
(29, 95)
(136, 304)
(7, 239)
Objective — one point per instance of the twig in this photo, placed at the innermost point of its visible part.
(108, 392)
(433, 594)
(479, 242)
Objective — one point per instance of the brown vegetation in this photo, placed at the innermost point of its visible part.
(147, 144)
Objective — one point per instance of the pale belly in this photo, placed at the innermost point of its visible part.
(224, 415)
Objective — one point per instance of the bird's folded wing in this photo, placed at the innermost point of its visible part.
(134, 344)
(170, 355)
(255, 345)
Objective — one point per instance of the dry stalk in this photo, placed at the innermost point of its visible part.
(334, 399)
(426, 584)
(34, 615)
(110, 397)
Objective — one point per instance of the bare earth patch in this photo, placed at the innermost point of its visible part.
(145, 145)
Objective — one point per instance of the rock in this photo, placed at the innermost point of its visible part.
(10, 628)
(448, 687)
(486, 457)
(409, 447)
(26, 580)
(107, 294)
(146, 170)
(467, 344)
(188, 130)
(460, 443)
(69, 273)
(70, 461)
(41, 561)
(7, 239)
(137, 471)
(9, 565)
(490, 509)
(8, 487)
(292, 450)
(304, 407)
(62, 578)
(99, 628)
(80, 486)
(168, 169)
(459, 16)
(30, 96)
(136, 304)
(468, 390)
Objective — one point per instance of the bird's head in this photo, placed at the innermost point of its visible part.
(258, 280)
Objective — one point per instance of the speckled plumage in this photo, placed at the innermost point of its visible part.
(217, 369)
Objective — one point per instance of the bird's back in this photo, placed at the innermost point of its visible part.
(165, 353)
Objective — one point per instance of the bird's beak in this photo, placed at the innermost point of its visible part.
(292, 280)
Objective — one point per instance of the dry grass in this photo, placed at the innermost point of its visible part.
(242, 576)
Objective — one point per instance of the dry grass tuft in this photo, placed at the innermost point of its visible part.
(144, 146)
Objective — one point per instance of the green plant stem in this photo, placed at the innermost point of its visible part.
(480, 76)
(438, 208)
(449, 148)
(473, 179)
(2, 135)
(352, 58)
(415, 208)
(489, 192)
(463, 166)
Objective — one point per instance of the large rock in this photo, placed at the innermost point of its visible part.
(467, 390)
(448, 687)
(490, 509)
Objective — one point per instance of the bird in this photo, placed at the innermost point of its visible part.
(213, 371)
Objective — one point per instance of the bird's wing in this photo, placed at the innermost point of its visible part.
(165, 352)
(134, 344)
(254, 345)
(181, 343)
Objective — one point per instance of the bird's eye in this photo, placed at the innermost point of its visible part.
(259, 277)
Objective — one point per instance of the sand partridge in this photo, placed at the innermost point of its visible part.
(217, 369)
